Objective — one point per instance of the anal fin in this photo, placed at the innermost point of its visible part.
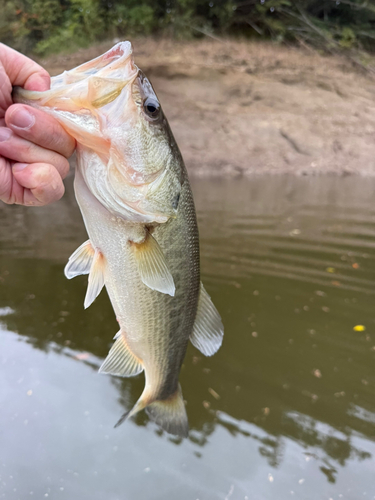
(208, 330)
(80, 261)
(152, 266)
(96, 278)
(120, 360)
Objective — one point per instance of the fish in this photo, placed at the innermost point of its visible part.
(134, 194)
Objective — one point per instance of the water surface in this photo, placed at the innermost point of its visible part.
(285, 409)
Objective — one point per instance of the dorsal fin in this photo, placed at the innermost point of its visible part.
(152, 266)
(96, 278)
(208, 330)
(80, 261)
(120, 360)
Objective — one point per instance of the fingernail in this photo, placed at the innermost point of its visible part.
(17, 167)
(21, 118)
(5, 134)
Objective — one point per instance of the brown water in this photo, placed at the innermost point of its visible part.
(286, 409)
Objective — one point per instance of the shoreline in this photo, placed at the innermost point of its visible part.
(242, 108)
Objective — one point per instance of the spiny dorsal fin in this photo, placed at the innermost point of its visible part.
(80, 261)
(120, 360)
(96, 279)
(152, 267)
(208, 329)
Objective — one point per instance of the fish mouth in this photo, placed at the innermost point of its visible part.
(78, 97)
(89, 86)
(111, 64)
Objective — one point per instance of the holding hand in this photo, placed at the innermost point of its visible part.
(33, 146)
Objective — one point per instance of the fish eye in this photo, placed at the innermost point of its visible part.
(151, 107)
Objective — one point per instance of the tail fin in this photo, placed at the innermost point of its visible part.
(169, 413)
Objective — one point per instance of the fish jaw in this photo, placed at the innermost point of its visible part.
(82, 99)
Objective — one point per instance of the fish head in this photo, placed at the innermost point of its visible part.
(111, 109)
(144, 156)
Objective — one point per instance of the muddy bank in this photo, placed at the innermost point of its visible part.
(239, 108)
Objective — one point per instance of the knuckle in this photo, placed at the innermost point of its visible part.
(28, 148)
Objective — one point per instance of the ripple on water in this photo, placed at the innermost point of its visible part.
(285, 408)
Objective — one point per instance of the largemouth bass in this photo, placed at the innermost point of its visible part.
(134, 194)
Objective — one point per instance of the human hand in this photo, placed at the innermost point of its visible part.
(33, 146)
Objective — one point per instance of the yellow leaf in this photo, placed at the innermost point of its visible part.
(359, 328)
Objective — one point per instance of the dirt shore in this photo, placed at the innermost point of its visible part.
(239, 108)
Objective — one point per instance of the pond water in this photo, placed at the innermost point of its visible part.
(286, 408)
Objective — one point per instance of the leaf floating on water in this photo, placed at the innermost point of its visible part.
(331, 270)
(314, 397)
(213, 393)
(82, 356)
(355, 265)
(340, 394)
(359, 328)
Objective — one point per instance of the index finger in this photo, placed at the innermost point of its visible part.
(41, 129)
(23, 71)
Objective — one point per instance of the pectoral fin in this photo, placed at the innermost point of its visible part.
(208, 329)
(96, 278)
(152, 267)
(80, 261)
(120, 360)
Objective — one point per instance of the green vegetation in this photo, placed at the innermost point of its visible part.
(47, 26)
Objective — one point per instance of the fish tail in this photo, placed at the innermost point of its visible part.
(169, 413)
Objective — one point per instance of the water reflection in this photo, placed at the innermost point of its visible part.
(289, 399)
